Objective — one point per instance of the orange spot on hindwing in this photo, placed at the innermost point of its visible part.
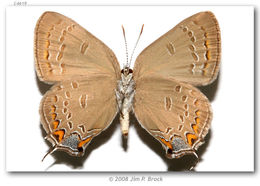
(197, 120)
(55, 124)
(195, 128)
(59, 134)
(53, 108)
(83, 142)
(191, 138)
(167, 143)
(197, 113)
(53, 116)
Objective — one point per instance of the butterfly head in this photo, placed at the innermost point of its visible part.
(126, 71)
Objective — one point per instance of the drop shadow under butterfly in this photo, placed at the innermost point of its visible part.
(89, 88)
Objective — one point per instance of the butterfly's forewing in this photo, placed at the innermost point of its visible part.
(175, 113)
(190, 52)
(64, 49)
(73, 112)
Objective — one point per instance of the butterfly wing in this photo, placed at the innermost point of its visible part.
(190, 52)
(73, 112)
(63, 49)
(177, 114)
(76, 108)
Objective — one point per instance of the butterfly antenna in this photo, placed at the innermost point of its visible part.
(126, 51)
(136, 44)
(50, 151)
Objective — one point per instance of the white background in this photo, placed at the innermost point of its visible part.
(232, 135)
(238, 93)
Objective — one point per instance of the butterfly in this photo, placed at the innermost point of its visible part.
(89, 88)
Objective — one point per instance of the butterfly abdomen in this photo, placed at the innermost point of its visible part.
(125, 96)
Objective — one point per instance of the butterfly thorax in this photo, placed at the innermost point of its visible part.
(125, 95)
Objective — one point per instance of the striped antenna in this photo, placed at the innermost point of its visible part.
(136, 44)
(126, 51)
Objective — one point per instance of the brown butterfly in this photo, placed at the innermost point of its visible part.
(90, 89)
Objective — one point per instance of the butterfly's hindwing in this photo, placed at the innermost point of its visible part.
(177, 114)
(74, 112)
